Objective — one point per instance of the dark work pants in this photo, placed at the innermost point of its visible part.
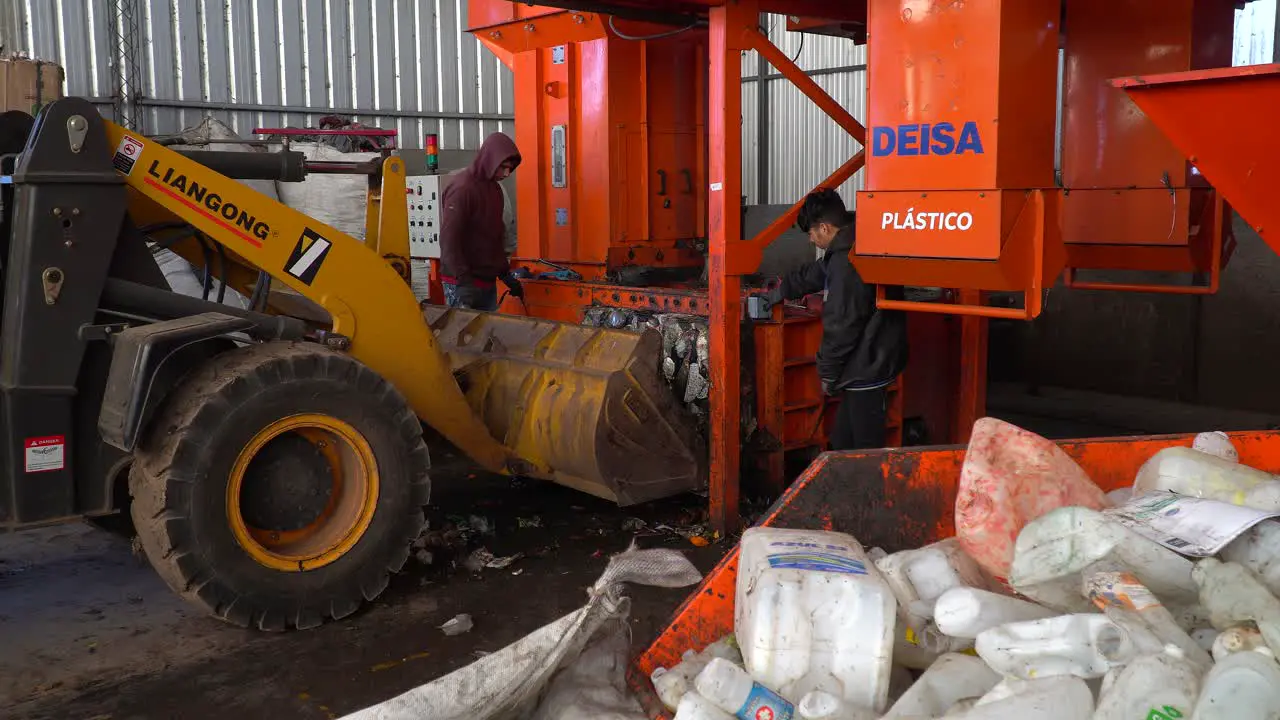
(859, 420)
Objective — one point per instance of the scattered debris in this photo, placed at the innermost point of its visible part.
(424, 556)
(499, 563)
(634, 524)
(458, 625)
(530, 522)
(478, 560)
(699, 541)
(517, 572)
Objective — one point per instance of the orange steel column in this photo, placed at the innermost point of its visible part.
(971, 400)
(729, 24)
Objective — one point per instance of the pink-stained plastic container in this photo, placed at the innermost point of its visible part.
(1009, 478)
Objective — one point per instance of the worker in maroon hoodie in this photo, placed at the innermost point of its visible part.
(472, 255)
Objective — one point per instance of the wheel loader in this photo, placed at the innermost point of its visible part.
(272, 458)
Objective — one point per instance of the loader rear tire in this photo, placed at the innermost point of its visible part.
(280, 486)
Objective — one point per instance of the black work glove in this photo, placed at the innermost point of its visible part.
(470, 296)
(514, 286)
(828, 388)
(774, 295)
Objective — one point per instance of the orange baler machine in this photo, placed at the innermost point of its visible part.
(968, 115)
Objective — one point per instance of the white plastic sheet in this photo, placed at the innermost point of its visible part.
(571, 669)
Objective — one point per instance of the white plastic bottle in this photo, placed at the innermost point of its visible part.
(671, 684)
(1234, 595)
(965, 612)
(1258, 549)
(693, 706)
(1243, 686)
(1151, 627)
(1164, 685)
(1085, 645)
(1240, 638)
(951, 679)
(1055, 550)
(819, 705)
(731, 689)
(1190, 472)
(811, 613)
(1060, 698)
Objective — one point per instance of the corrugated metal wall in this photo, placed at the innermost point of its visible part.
(1255, 33)
(408, 64)
(801, 145)
(400, 64)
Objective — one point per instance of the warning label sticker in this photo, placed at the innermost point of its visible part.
(45, 453)
(307, 256)
(127, 153)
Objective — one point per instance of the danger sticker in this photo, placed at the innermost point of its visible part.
(127, 153)
(307, 256)
(44, 454)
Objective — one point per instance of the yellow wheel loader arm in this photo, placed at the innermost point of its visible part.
(370, 304)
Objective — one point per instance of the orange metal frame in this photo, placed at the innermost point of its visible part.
(529, 34)
(1030, 228)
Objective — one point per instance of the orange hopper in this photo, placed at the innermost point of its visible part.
(1219, 120)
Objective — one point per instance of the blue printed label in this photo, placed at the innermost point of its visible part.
(815, 560)
(765, 704)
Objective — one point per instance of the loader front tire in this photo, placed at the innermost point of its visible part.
(280, 486)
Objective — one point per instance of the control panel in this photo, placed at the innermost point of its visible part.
(424, 214)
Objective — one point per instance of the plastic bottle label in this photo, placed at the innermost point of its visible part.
(1168, 712)
(765, 704)
(820, 561)
(1120, 590)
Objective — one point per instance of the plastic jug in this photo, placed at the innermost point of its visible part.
(812, 614)
(966, 612)
(1060, 698)
(1151, 627)
(819, 705)
(731, 689)
(671, 684)
(919, 647)
(951, 679)
(1205, 638)
(1009, 478)
(1164, 685)
(1218, 444)
(1234, 595)
(1244, 685)
(693, 706)
(1191, 472)
(1240, 638)
(919, 577)
(1054, 551)
(1086, 645)
(961, 707)
(1258, 549)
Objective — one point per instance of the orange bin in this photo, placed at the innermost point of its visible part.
(894, 499)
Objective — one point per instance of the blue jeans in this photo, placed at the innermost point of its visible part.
(473, 297)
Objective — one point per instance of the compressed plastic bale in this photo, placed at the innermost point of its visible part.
(1009, 478)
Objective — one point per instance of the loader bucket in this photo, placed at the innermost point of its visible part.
(894, 499)
(589, 403)
(1218, 119)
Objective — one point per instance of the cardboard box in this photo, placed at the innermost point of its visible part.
(28, 85)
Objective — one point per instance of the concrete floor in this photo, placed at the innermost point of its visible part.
(87, 630)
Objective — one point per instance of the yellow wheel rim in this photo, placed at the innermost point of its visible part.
(352, 496)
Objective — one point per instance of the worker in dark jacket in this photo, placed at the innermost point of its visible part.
(863, 349)
(472, 237)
